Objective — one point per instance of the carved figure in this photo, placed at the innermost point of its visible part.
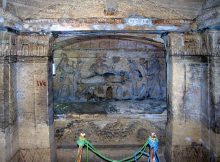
(65, 77)
(99, 68)
(153, 72)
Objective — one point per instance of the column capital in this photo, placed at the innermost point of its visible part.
(24, 45)
(32, 45)
(193, 44)
(212, 42)
(184, 44)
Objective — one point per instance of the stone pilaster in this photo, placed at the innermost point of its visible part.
(212, 38)
(26, 115)
(8, 110)
(187, 66)
(36, 130)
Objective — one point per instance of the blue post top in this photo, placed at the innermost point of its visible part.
(153, 143)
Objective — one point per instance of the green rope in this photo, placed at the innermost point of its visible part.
(87, 152)
(89, 146)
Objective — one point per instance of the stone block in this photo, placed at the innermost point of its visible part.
(114, 44)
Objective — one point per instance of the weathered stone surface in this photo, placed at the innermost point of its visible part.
(7, 18)
(56, 9)
(128, 108)
(108, 69)
(99, 24)
(185, 44)
(8, 123)
(194, 153)
(210, 15)
(212, 42)
(22, 45)
(36, 155)
(215, 105)
(122, 132)
(109, 130)
(26, 101)
(33, 110)
(187, 96)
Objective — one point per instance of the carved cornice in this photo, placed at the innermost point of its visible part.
(184, 44)
(198, 44)
(21, 45)
(33, 45)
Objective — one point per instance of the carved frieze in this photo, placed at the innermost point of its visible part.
(22, 45)
(199, 44)
(32, 45)
(184, 44)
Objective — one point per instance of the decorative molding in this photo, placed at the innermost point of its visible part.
(184, 44)
(22, 45)
(198, 44)
(32, 45)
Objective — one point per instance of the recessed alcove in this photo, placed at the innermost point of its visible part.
(111, 88)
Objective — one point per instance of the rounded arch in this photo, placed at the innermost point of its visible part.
(91, 36)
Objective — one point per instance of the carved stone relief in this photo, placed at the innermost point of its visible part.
(101, 78)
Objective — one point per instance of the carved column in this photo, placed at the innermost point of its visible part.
(212, 38)
(187, 66)
(8, 110)
(34, 99)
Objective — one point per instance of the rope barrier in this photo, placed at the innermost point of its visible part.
(152, 143)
